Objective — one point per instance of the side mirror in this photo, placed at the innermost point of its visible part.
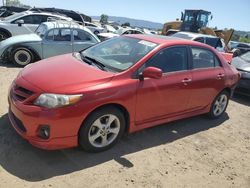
(152, 72)
(20, 23)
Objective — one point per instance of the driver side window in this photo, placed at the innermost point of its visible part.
(170, 60)
(59, 35)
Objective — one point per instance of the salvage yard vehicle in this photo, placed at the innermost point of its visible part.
(94, 28)
(10, 10)
(119, 32)
(25, 23)
(76, 16)
(196, 21)
(128, 83)
(242, 64)
(213, 41)
(50, 39)
(239, 47)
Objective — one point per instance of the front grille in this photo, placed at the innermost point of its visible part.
(18, 123)
(21, 93)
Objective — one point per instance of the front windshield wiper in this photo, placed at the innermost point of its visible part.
(94, 61)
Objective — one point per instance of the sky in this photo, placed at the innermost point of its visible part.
(226, 13)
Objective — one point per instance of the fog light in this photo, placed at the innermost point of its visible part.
(44, 132)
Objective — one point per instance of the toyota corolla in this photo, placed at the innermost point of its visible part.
(125, 84)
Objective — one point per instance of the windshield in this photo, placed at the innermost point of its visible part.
(246, 57)
(120, 53)
(14, 16)
(41, 30)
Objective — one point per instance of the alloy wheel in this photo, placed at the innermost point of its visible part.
(104, 130)
(220, 105)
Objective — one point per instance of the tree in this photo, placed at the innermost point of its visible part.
(126, 24)
(104, 19)
(235, 37)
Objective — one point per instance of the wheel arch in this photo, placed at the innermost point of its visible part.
(229, 90)
(115, 105)
(6, 31)
(35, 53)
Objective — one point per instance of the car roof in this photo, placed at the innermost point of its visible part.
(28, 12)
(195, 35)
(167, 40)
(62, 24)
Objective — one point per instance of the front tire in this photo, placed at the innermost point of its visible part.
(219, 105)
(102, 129)
(22, 56)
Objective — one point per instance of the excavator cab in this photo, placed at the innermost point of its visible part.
(194, 20)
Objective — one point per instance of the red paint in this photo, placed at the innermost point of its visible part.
(228, 56)
(149, 102)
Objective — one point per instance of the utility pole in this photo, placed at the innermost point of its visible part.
(3, 2)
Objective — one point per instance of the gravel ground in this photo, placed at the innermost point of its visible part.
(194, 152)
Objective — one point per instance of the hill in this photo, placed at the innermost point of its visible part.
(133, 22)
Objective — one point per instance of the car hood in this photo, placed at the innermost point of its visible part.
(19, 39)
(64, 74)
(240, 64)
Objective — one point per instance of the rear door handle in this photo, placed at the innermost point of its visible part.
(220, 76)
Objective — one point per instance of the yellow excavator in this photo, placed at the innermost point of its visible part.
(196, 21)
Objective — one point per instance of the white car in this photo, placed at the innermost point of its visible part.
(25, 23)
(213, 41)
(119, 32)
(94, 28)
(109, 29)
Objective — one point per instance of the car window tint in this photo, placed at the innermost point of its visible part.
(32, 19)
(65, 35)
(170, 60)
(199, 39)
(52, 33)
(80, 35)
(203, 58)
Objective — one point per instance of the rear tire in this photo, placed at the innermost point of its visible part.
(102, 129)
(22, 56)
(219, 105)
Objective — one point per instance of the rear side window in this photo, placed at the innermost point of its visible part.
(203, 58)
(170, 60)
(80, 35)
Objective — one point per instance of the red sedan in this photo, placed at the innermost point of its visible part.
(124, 84)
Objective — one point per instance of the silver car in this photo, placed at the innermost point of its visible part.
(50, 39)
(25, 23)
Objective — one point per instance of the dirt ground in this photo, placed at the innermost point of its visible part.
(195, 152)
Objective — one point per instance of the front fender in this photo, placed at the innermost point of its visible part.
(5, 51)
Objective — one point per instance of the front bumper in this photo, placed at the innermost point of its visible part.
(27, 120)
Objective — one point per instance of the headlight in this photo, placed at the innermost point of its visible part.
(49, 100)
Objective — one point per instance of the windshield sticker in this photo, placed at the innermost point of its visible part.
(147, 43)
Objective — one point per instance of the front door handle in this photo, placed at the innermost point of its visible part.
(185, 81)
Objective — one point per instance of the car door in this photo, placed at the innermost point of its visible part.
(208, 77)
(82, 40)
(169, 95)
(56, 42)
